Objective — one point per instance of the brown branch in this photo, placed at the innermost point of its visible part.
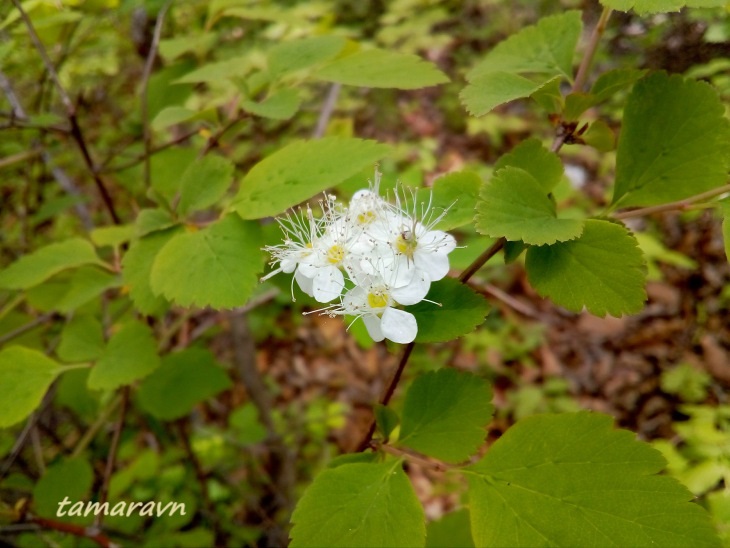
(91, 533)
(10, 335)
(590, 51)
(679, 205)
(141, 157)
(112, 457)
(327, 108)
(149, 63)
(76, 132)
(413, 456)
(214, 139)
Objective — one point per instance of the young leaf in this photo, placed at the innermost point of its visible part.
(137, 268)
(522, 64)
(457, 191)
(535, 159)
(130, 355)
(152, 220)
(69, 479)
(603, 270)
(87, 283)
(280, 105)
(82, 339)
(216, 266)
(183, 380)
(515, 206)
(674, 142)
(572, 480)
(608, 83)
(204, 182)
(25, 375)
(487, 91)
(306, 52)
(445, 414)
(301, 170)
(377, 68)
(459, 310)
(661, 6)
(33, 269)
(359, 504)
(113, 235)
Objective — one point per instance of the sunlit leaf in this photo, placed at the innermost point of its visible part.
(572, 480)
(359, 505)
(445, 414)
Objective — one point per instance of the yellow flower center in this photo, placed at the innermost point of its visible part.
(406, 244)
(377, 300)
(366, 217)
(335, 254)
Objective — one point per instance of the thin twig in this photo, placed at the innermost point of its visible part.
(149, 63)
(141, 157)
(19, 157)
(214, 139)
(480, 261)
(90, 533)
(590, 51)
(112, 456)
(65, 99)
(76, 131)
(679, 205)
(10, 335)
(104, 415)
(412, 456)
(327, 108)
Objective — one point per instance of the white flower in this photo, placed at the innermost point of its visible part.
(381, 255)
(374, 301)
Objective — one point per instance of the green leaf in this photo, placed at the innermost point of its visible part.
(572, 480)
(600, 136)
(680, 153)
(73, 392)
(487, 91)
(608, 83)
(130, 355)
(281, 105)
(25, 375)
(217, 266)
(525, 62)
(167, 168)
(386, 419)
(661, 6)
(33, 269)
(204, 182)
(515, 206)
(451, 531)
(300, 170)
(531, 156)
(377, 68)
(86, 283)
(445, 414)
(152, 220)
(221, 70)
(82, 339)
(183, 380)
(457, 191)
(113, 235)
(461, 310)
(137, 268)
(359, 505)
(512, 251)
(69, 479)
(300, 54)
(176, 115)
(603, 270)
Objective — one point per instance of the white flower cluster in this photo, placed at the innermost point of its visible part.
(372, 255)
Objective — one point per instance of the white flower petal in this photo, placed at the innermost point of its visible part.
(307, 269)
(398, 326)
(436, 265)
(305, 283)
(415, 291)
(328, 284)
(372, 324)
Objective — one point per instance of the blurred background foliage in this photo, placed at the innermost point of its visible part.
(221, 81)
